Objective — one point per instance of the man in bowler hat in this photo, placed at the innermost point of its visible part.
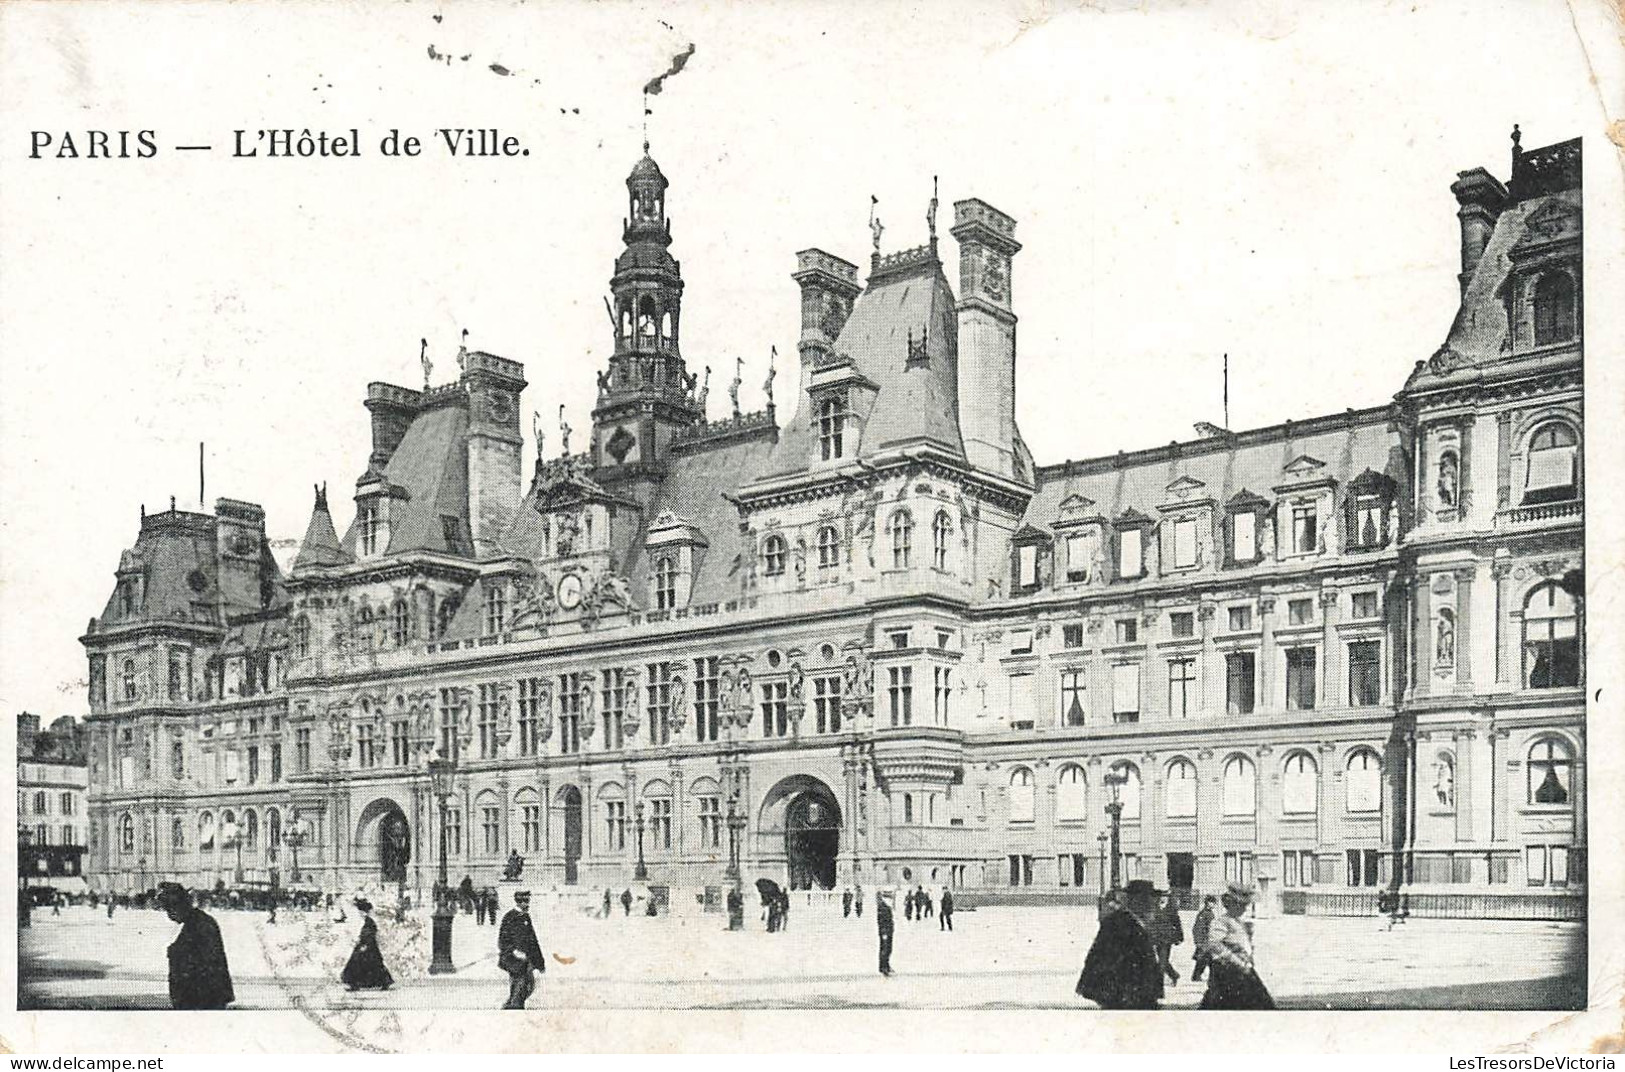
(884, 925)
(1122, 970)
(518, 952)
(198, 975)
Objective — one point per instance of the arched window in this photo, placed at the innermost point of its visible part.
(902, 538)
(177, 760)
(941, 529)
(1553, 464)
(773, 551)
(665, 327)
(1363, 781)
(205, 832)
(251, 830)
(1444, 780)
(398, 620)
(1551, 638)
(1554, 308)
(1021, 795)
(831, 429)
(364, 627)
(1181, 789)
(1071, 794)
(1240, 786)
(301, 636)
(1300, 785)
(647, 321)
(1551, 768)
(126, 833)
(177, 836)
(829, 547)
(908, 807)
(665, 582)
(230, 833)
(1128, 793)
(129, 679)
(273, 828)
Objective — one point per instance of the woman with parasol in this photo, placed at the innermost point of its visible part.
(365, 969)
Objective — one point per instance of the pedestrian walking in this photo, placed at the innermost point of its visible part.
(926, 902)
(465, 894)
(857, 901)
(846, 903)
(884, 926)
(608, 902)
(365, 969)
(199, 977)
(945, 921)
(518, 952)
(1121, 970)
(908, 905)
(493, 906)
(1200, 926)
(272, 917)
(109, 906)
(784, 909)
(479, 908)
(1166, 932)
(626, 901)
(1234, 982)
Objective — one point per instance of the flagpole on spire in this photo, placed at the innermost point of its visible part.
(1227, 391)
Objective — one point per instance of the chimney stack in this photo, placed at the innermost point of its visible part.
(1481, 197)
(829, 285)
(987, 335)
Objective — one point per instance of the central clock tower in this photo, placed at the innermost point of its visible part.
(646, 395)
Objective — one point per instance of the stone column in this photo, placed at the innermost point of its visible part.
(1330, 782)
(1464, 629)
(1209, 665)
(1503, 465)
(1209, 807)
(1422, 638)
(1333, 690)
(1267, 813)
(1465, 790)
(1264, 683)
(1505, 638)
(505, 815)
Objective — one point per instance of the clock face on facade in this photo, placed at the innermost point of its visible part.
(499, 406)
(570, 592)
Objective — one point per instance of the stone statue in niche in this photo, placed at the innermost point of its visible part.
(1444, 646)
(1449, 479)
(1444, 782)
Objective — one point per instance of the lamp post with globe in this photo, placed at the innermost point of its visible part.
(736, 897)
(442, 779)
(296, 836)
(642, 871)
(1115, 780)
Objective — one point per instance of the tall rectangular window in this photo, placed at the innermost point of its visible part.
(658, 707)
(569, 714)
(613, 708)
(1244, 536)
(1239, 682)
(710, 822)
(301, 750)
(1074, 697)
(1370, 522)
(615, 825)
(454, 831)
(705, 699)
(254, 764)
(827, 703)
(400, 745)
(496, 606)
(1078, 555)
(1021, 702)
(1130, 560)
(531, 693)
(1365, 673)
(530, 826)
(1181, 687)
(364, 746)
(1027, 555)
(450, 707)
(1185, 543)
(276, 763)
(901, 695)
(1072, 635)
(1305, 529)
(775, 709)
(1300, 679)
(488, 721)
(1126, 692)
(941, 693)
(367, 528)
(831, 427)
(491, 827)
(660, 822)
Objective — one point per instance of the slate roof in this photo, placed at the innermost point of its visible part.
(917, 402)
(431, 467)
(320, 547)
(182, 579)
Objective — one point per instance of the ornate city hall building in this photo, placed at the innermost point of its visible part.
(878, 641)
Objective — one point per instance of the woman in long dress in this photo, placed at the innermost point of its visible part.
(1233, 982)
(365, 970)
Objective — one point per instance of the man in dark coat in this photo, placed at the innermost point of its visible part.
(885, 927)
(1166, 932)
(846, 902)
(626, 901)
(857, 901)
(518, 952)
(1122, 970)
(1200, 926)
(198, 975)
(945, 917)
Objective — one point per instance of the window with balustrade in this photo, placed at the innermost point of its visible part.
(1552, 464)
(1551, 638)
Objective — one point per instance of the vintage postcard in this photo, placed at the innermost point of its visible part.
(809, 526)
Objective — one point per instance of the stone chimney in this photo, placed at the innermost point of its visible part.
(829, 285)
(392, 410)
(987, 335)
(1481, 197)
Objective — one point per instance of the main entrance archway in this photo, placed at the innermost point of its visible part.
(383, 837)
(570, 797)
(804, 809)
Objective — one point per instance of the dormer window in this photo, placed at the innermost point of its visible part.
(496, 607)
(1185, 543)
(1365, 518)
(398, 623)
(1553, 460)
(1130, 537)
(831, 428)
(367, 527)
(941, 529)
(773, 553)
(1305, 529)
(1554, 308)
(129, 679)
(665, 582)
(901, 528)
(1244, 515)
(1027, 566)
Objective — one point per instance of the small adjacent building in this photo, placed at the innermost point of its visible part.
(53, 780)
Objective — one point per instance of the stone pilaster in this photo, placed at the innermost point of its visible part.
(1464, 629)
(1265, 697)
(1466, 791)
(1505, 638)
(1333, 685)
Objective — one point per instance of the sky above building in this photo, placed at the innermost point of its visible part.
(1267, 180)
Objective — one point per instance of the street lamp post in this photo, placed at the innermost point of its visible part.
(642, 872)
(141, 872)
(25, 863)
(294, 837)
(1101, 838)
(736, 898)
(442, 775)
(234, 840)
(1114, 811)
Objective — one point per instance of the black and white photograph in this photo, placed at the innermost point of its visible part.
(996, 526)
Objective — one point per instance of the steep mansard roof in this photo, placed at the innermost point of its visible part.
(429, 472)
(177, 557)
(1226, 465)
(320, 547)
(916, 401)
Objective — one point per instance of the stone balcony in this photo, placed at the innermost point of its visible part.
(1542, 514)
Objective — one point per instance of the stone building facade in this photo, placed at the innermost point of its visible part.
(53, 780)
(1341, 653)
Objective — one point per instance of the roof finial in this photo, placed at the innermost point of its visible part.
(739, 377)
(423, 359)
(646, 114)
(772, 371)
(462, 351)
(564, 433)
(1517, 138)
(875, 226)
(931, 212)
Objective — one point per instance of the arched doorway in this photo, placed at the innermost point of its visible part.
(571, 798)
(812, 839)
(384, 839)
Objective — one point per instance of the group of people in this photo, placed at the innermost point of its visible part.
(776, 909)
(1130, 957)
(481, 903)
